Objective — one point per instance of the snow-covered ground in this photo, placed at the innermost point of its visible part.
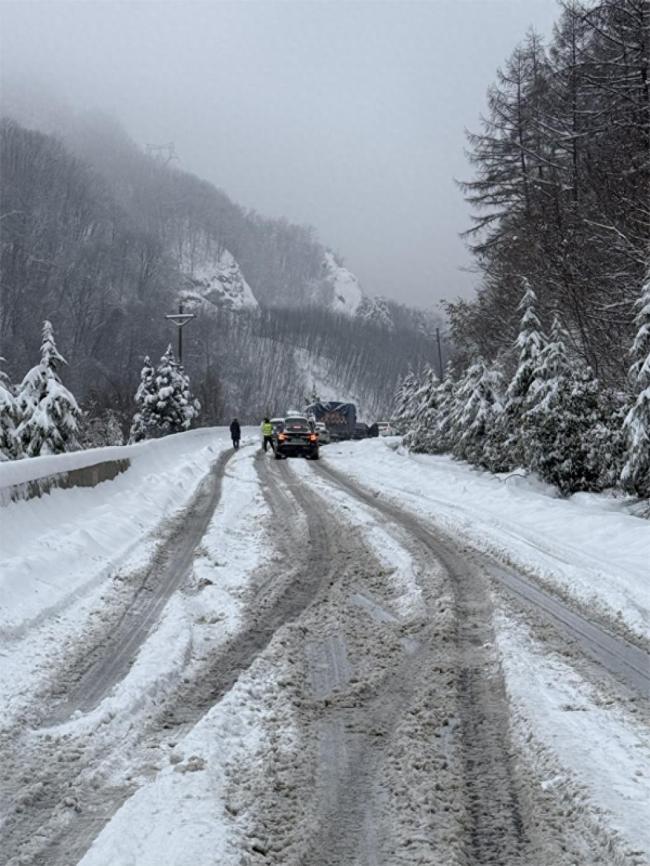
(61, 554)
(588, 546)
(56, 547)
(579, 740)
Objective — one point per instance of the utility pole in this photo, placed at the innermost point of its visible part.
(442, 372)
(180, 319)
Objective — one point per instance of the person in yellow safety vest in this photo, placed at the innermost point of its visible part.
(267, 434)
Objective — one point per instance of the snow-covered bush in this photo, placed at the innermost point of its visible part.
(635, 476)
(49, 413)
(100, 428)
(10, 446)
(146, 397)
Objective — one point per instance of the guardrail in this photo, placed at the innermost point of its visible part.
(85, 476)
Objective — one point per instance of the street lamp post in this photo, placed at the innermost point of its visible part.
(180, 319)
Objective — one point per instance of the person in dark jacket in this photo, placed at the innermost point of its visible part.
(235, 433)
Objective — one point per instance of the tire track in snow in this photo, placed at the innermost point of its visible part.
(508, 820)
(620, 657)
(47, 822)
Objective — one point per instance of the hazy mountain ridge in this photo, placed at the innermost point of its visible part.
(105, 242)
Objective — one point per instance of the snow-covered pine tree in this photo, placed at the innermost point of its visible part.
(174, 407)
(507, 445)
(442, 437)
(10, 447)
(421, 436)
(405, 403)
(146, 397)
(191, 406)
(50, 414)
(479, 404)
(635, 476)
(563, 412)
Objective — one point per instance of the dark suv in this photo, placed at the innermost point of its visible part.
(297, 437)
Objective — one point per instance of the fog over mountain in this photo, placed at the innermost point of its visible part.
(346, 116)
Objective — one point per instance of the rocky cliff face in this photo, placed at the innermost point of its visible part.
(219, 282)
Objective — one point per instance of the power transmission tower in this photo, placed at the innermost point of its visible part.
(163, 153)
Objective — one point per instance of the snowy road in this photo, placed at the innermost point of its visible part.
(306, 671)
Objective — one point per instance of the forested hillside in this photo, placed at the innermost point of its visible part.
(103, 240)
(561, 191)
(552, 366)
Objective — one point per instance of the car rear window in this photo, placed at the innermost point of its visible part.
(299, 425)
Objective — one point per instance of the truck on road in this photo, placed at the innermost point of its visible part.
(339, 418)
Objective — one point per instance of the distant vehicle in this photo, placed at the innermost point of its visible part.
(385, 428)
(324, 437)
(339, 418)
(361, 431)
(278, 425)
(297, 438)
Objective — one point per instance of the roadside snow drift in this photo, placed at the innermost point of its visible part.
(587, 545)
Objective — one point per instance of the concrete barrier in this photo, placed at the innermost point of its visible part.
(86, 476)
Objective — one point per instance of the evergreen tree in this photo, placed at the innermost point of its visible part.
(421, 436)
(174, 407)
(50, 414)
(507, 444)
(479, 404)
(636, 472)
(145, 399)
(441, 441)
(10, 446)
(405, 403)
(564, 413)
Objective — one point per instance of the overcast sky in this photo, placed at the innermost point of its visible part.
(348, 116)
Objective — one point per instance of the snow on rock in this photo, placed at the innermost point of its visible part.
(587, 545)
(346, 291)
(377, 311)
(220, 282)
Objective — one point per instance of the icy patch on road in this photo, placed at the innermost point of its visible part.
(587, 546)
(597, 746)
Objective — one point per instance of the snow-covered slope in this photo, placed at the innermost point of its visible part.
(346, 291)
(377, 311)
(220, 282)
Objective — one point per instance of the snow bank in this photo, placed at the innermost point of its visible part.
(596, 745)
(56, 547)
(587, 545)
